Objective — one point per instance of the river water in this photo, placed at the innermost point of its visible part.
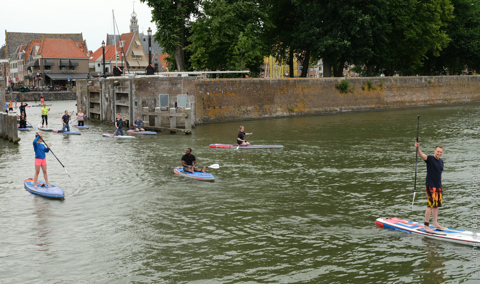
(302, 214)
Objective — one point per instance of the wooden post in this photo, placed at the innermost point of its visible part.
(158, 119)
(173, 119)
(188, 119)
(2, 123)
(13, 135)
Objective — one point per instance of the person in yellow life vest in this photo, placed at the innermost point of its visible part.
(45, 110)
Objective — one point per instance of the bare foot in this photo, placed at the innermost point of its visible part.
(427, 229)
(438, 227)
(204, 167)
(48, 185)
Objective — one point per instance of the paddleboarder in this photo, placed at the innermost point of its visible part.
(119, 124)
(80, 118)
(23, 121)
(241, 137)
(137, 124)
(42, 98)
(22, 109)
(66, 122)
(189, 163)
(40, 159)
(45, 110)
(16, 101)
(10, 106)
(433, 186)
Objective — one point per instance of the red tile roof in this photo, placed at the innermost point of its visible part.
(30, 47)
(61, 48)
(162, 58)
(128, 40)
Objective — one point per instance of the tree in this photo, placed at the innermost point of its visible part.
(464, 47)
(418, 27)
(228, 36)
(173, 20)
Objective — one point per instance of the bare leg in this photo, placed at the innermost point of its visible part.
(204, 168)
(435, 219)
(44, 168)
(35, 178)
(428, 212)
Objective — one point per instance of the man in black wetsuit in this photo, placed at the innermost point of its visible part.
(22, 109)
(189, 163)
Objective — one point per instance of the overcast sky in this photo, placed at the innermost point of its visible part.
(93, 18)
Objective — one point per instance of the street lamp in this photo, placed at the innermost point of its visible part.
(103, 49)
(149, 31)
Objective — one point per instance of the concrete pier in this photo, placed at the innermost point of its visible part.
(8, 127)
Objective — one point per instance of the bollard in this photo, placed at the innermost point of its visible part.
(188, 119)
(173, 119)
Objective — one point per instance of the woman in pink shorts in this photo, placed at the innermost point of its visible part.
(40, 159)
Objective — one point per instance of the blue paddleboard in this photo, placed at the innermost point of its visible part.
(45, 191)
(85, 127)
(195, 175)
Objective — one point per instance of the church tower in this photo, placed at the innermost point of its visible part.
(134, 22)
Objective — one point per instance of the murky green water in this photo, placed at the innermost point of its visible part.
(302, 214)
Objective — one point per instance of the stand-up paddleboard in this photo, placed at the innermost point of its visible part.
(41, 105)
(84, 127)
(40, 128)
(67, 132)
(24, 129)
(44, 190)
(19, 106)
(197, 175)
(118, 136)
(142, 132)
(449, 234)
(235, 146)
(28, 125)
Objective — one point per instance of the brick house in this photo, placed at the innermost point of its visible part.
(58, 61)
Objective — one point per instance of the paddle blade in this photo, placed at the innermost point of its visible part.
(413, 199)
(214, 166)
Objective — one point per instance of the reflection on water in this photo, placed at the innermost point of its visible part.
(302, 214)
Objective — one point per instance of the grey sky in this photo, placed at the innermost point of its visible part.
(93, 18)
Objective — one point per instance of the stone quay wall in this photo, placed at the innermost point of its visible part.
(240, 99)
(35, 96)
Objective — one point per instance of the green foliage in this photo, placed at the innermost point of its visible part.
(369, 86)
(344, 86)
(228, 36)
(380, 85)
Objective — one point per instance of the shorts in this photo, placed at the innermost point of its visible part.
(40, 162)
(434, 197)
(10, 109)
(41, 99)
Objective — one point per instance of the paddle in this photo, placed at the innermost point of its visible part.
(416, 162)
(56, 157)
(214, 166)
(238, 145)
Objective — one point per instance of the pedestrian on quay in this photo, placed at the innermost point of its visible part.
(433, 186)
(40, 158)
(45, 111)
(66, 122)
(119, 124)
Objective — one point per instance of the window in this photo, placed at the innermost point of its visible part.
(47, 68)
(156, 67)
(71, 68)
(163, 100)
(63, 68)
(182, 100)
(98, 64)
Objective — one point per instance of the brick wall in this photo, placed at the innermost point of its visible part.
(238, 99)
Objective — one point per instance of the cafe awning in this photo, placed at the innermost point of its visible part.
(137, 52)
(64, 62)
(73, 62)
(49, 62)
(64, 76)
